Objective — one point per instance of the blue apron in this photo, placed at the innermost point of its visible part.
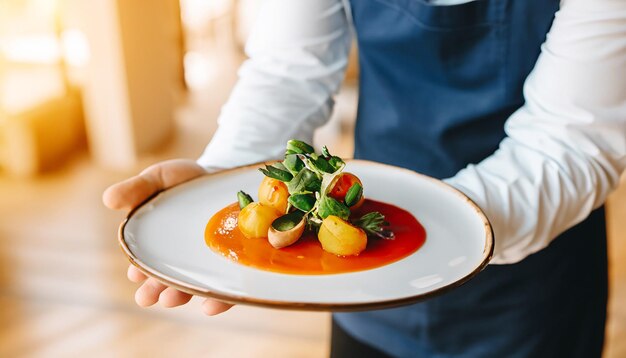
(437, 84)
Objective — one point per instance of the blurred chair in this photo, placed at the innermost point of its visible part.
(41, 120)
(42, 137)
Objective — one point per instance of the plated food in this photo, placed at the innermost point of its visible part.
(312, 217)
(163, 238)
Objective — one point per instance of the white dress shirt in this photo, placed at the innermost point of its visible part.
(565, 148)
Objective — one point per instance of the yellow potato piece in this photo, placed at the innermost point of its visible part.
(255, 220)
(274, 193)
(340, 238)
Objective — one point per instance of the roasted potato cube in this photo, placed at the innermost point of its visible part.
(255, 220)
(340, 238)
(274, 193)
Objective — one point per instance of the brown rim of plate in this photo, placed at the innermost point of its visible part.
(311, 306)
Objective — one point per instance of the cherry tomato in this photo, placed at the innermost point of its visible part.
(342, 184)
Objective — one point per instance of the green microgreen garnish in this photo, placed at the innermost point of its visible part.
(306, 181)
(303, 202)
(354, 194)
(325, 152)
(293, 163)
(309, 178)
(323, 165)
(299, 147)
(329, 206)
(243, 199)
(277, 171)
(372, 223)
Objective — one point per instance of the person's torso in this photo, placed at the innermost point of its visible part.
(437, 84)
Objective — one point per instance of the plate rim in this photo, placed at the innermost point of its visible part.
(487, 255)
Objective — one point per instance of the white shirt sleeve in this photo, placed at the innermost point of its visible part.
(564, 151)
(298, 52)
(566, 147)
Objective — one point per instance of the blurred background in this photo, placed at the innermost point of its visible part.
(93, 91)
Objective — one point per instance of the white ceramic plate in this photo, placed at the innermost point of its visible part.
(164, 237)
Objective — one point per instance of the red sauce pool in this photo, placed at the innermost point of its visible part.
(306, 256)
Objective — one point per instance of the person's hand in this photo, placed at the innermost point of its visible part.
(129, 193)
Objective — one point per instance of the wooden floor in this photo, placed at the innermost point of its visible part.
(63, 290)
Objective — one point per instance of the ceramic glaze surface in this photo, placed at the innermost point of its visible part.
(165, 238)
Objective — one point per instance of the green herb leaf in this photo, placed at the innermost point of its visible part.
(304, 202)
(337, 163)
(304, 181)
(329, 206)
(354, 194)
(293, 163)
(276, 173)
(299, 147)
(322, 165)
(280, 166)
(325, 152)
(372, 223)
(243, 199)
(327, 182)
(288, 221)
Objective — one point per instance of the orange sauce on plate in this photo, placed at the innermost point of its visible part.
(306, 256)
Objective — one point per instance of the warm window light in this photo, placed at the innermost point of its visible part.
(46, 49)
(199, 70)
(21, 90)
(40, 49)
(196, 13)
(75, 47)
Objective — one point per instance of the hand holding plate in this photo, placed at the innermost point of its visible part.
(129, 193)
